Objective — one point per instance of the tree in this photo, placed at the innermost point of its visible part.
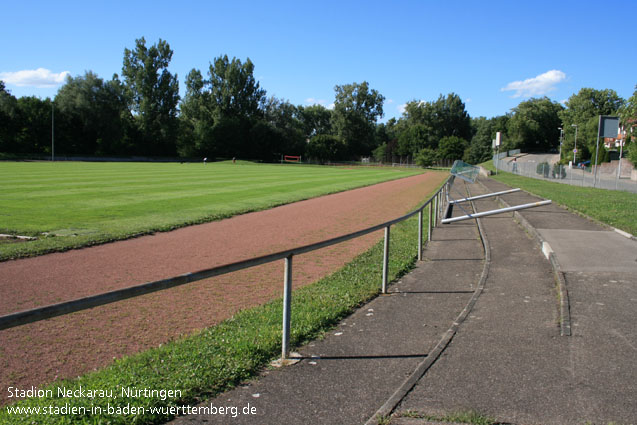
(414, 138)
(484, 131)
(533, 127)
(356, 109)
(315, 119)
(196, 119)
(285, 119)
(424, 124)
(154, 95)
(233, 89)
(324, 147)
(629, 109)
(628, 112)
(92, 116)
(451, 118)
(9, 120)
(380, 153)
(34, 134)
(452, 148)
(218, 113)
(583, 109)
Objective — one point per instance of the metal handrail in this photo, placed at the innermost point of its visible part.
(60, 309)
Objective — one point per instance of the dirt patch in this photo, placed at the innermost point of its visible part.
(71, 345)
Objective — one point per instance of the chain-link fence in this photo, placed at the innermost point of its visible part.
(608, 174)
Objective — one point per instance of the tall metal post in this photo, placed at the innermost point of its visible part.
(420, 235)
(287, 307)
(599, 129)
(385, 260)
(621, 152)
(52, 132)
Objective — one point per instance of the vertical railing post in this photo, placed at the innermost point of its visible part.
(439, 207)
(429, 224)
(287, 307)
(385, 260)
(435, 210)
(420, 235)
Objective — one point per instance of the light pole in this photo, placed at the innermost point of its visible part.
(561, 134)
(52, 132)
(575, 146)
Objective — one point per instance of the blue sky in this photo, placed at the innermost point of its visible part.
(493, 54)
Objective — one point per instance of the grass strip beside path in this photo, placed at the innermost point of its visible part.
(612, 207)
(220, 357)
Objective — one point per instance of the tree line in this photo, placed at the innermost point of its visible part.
(225, 113)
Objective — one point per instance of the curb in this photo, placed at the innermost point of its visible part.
(565, 308)
(625, 234)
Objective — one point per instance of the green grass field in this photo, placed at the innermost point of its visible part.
(74, 204)
(615, 208)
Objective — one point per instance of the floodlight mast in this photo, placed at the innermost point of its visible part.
(52, 131)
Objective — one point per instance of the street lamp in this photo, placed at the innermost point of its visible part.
(52, 132)
(575, 147)
(561, 134)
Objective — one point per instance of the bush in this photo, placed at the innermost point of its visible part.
(426, 157)
(543, 169)
(632, 153)
(559, 171)
(380, 153)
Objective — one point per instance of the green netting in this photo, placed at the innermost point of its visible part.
(465, 171)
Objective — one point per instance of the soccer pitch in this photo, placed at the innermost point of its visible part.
(74, 204)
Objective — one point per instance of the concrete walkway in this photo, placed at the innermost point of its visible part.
(469, 332)
(509, 361)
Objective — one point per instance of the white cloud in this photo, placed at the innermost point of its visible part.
(322, 102)
(40, 77)
(403, 107)
(536, 86)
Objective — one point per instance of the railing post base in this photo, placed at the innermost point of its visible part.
(293, 358)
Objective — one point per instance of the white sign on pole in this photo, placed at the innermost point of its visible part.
(498, 138)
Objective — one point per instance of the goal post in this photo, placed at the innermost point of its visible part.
(292, 158)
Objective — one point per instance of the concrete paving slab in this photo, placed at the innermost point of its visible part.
(603, 350)
(586, 250)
